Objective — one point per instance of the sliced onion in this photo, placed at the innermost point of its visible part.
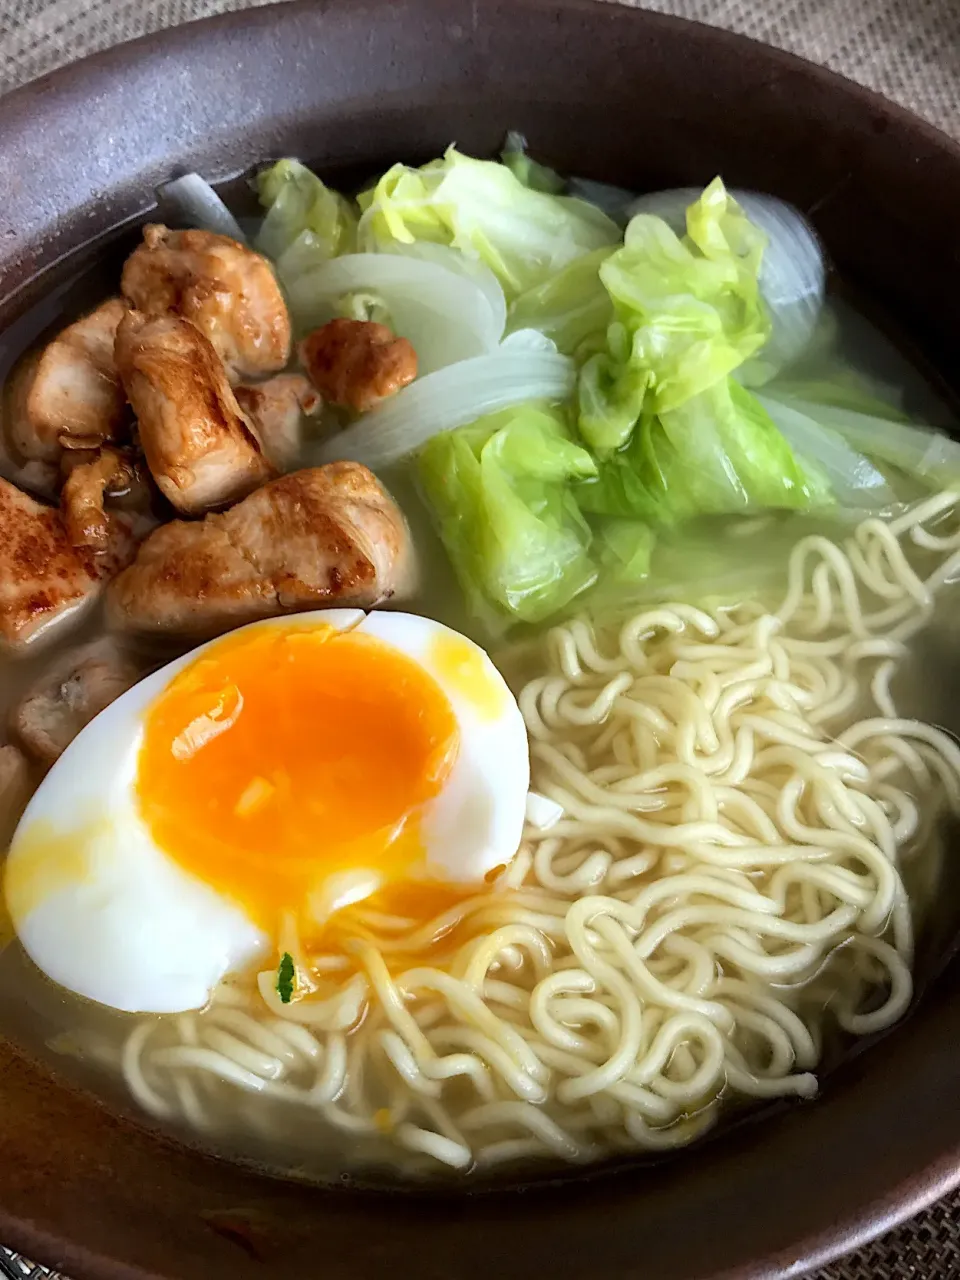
(196, 202)
(450, 398)
(528, 340)
(793, 274)
(856, 482)
(542, 812)
(446, 315)
(915, 449)
(459, 263)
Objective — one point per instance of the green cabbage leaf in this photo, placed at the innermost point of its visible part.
(687, 312)
(306, 223)
(501, 500)
(483, 209)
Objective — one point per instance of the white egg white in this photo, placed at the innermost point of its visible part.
(119, 922)
(123, 924)
(475, 823)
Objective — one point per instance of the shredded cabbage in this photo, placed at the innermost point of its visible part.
(717, 454)
(623, 549)
(792, 275)
(306, 223)
(498, 493)
(572, 306)
(688, 312)
(581, 402)
(481, 208)
(538, 177)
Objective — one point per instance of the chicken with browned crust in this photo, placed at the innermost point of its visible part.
(44, 579)
(357, 363)
(200, 446)
(67, 696)
(313, 539)
(70, 390)
(229, 292)
(89, 482)
(277, 408)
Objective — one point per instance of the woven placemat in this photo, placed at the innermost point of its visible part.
(908, 50)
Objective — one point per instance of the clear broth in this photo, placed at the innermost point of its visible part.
(41, 1018)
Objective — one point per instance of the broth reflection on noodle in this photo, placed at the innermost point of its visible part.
(279, 895)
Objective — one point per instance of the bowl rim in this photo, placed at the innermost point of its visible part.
(71, 75)
(21, 108)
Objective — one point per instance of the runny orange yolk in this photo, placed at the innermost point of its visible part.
(285, 758)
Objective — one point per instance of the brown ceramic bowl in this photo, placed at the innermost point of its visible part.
(613, 94)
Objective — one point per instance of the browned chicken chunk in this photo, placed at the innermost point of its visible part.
(229, 292)
(357, 363)
(277, 409)
(107, 472)
(310, 540)
(69, 695)
(34, 475)
(44, 579)
(199, 445)
(70, 389)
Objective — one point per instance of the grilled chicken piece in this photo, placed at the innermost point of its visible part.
(69, 695)
(277, 408)
(358, 363)
(40, 478)
(312, 539)
(107, 472)
(44, 579)
(225, 289)
(70, 389)
(199, 445)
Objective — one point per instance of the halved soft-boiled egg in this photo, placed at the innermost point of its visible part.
(271, 777)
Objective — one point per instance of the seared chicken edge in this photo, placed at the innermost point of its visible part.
(229, 292)
(277, 409)
(70, 389)
(357, 363)
(200, 446)
(312, 539)
(44, 579)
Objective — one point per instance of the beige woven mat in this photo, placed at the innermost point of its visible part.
(906, 49)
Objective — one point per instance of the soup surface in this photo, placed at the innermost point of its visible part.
(486, 691)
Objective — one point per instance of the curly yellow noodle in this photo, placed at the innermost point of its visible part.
(739, 796)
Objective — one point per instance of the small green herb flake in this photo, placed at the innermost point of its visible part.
(286, 977)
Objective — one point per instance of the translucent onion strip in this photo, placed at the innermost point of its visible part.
(445, 314)
(197, 204)
(450, 398)
(918, 450)
(462, 265)
(854, 480)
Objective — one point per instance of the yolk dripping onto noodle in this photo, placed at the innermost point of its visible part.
(284, 760)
